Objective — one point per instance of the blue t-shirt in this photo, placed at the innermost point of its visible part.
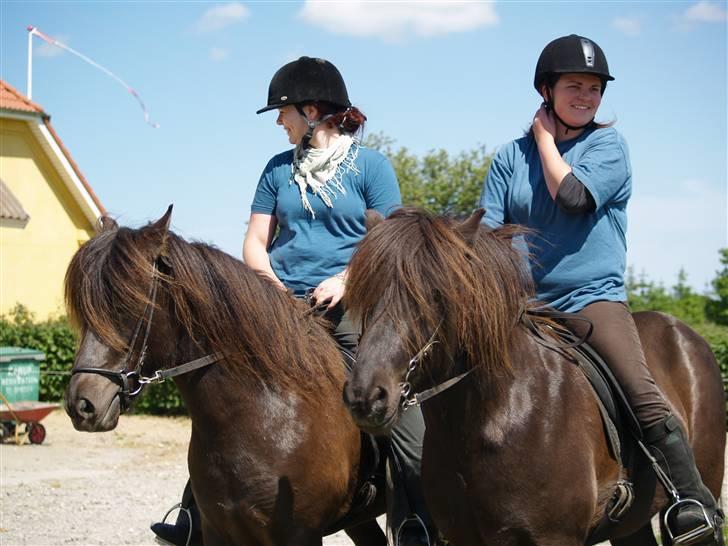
(577, 259)
(308, 250)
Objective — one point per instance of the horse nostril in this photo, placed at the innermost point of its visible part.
(379, 395)
(85, 408)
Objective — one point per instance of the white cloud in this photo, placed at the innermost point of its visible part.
(41, 48)
(393, 21)
(222, 16)
(705, 12)
(627, 25)
(681, 227)
(218, 54)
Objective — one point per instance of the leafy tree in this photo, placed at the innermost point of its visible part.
(681, 301)
(717, 309)
(438, 181)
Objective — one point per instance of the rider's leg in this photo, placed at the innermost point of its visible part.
(410, 522)
(179, 533)
(408, 507)
(616, 339)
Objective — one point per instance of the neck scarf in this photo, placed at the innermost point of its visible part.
(322, 169)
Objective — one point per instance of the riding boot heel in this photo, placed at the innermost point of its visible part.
(695, 518)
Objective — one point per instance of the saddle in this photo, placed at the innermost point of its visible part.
(621, 427)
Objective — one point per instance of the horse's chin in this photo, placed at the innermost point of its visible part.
(106, 422)
(380, 427)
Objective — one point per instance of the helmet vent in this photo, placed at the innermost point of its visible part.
(588, 49)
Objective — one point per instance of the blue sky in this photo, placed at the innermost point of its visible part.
(428, 74)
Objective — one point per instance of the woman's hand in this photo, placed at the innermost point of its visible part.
(544, 124)
(330, 290)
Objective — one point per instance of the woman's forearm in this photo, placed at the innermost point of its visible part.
(554, 167)
(256, 256)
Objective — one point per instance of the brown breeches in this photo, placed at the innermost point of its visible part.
(616, 340)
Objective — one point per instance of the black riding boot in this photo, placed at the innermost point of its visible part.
(690, 523)
(407, 516)
(186, 531)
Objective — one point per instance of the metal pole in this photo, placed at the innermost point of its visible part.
(30, 62)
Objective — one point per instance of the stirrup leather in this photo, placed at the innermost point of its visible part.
(706, 529)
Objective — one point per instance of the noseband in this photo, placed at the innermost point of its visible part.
(130, 379)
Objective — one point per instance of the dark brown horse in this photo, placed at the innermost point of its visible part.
(515, 453)
(274, 455)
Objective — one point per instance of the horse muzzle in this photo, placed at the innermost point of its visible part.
(373, 411)
(92, 407)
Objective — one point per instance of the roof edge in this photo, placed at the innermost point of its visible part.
(70, 173)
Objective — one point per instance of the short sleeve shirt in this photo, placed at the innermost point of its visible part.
(309, 249)
(577, 259)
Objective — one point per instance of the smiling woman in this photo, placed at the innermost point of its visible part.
(569, 179)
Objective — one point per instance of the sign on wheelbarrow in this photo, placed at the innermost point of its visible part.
(20, 373)
(19, 380)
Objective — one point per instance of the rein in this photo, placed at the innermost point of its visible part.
(528, 317)
(131, 382)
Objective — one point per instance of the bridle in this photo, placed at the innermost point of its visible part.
(407, 397)
(130, 380)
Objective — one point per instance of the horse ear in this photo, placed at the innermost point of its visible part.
(373, 219)
(161, 227)
(107, 223)
(469, 228)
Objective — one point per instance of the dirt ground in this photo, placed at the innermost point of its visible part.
(96, 489)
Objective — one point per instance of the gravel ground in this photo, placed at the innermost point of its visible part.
(97, 489)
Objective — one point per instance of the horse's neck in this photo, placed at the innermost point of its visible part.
(489, 406)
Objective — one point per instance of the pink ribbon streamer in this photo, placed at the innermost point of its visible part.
(93, 63)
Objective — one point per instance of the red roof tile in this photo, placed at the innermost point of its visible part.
(12, 99)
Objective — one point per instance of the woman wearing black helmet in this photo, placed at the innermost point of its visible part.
(569, 179)
(306, 218)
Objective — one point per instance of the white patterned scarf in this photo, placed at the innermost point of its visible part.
(322, 169)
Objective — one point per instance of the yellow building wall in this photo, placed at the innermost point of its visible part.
(34, 258)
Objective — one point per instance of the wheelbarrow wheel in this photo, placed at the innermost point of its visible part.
(36, 433)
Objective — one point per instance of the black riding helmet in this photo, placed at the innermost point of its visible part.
(305, 80)
(571, 54)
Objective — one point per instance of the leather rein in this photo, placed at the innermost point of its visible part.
(528, 317)
(130, 379)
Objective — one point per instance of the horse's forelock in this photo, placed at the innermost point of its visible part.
(222, 304)
(424, 272)
(108, 281)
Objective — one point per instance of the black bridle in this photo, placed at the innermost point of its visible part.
(130, 380)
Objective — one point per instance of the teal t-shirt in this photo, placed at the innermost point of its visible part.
(577, 259)
(308, 250)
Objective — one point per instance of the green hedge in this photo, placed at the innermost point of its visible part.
(58, 341)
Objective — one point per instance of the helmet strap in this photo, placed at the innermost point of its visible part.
(312, 124)
(549, 104)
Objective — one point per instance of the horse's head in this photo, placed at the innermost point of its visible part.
(434, 297)
(112, 297)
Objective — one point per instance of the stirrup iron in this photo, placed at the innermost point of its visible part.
(187, 513)
(695, 536)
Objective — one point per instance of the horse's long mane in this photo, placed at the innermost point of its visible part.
(426, 272)
(221, 304)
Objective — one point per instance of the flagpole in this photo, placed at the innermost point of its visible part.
(30, 63)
